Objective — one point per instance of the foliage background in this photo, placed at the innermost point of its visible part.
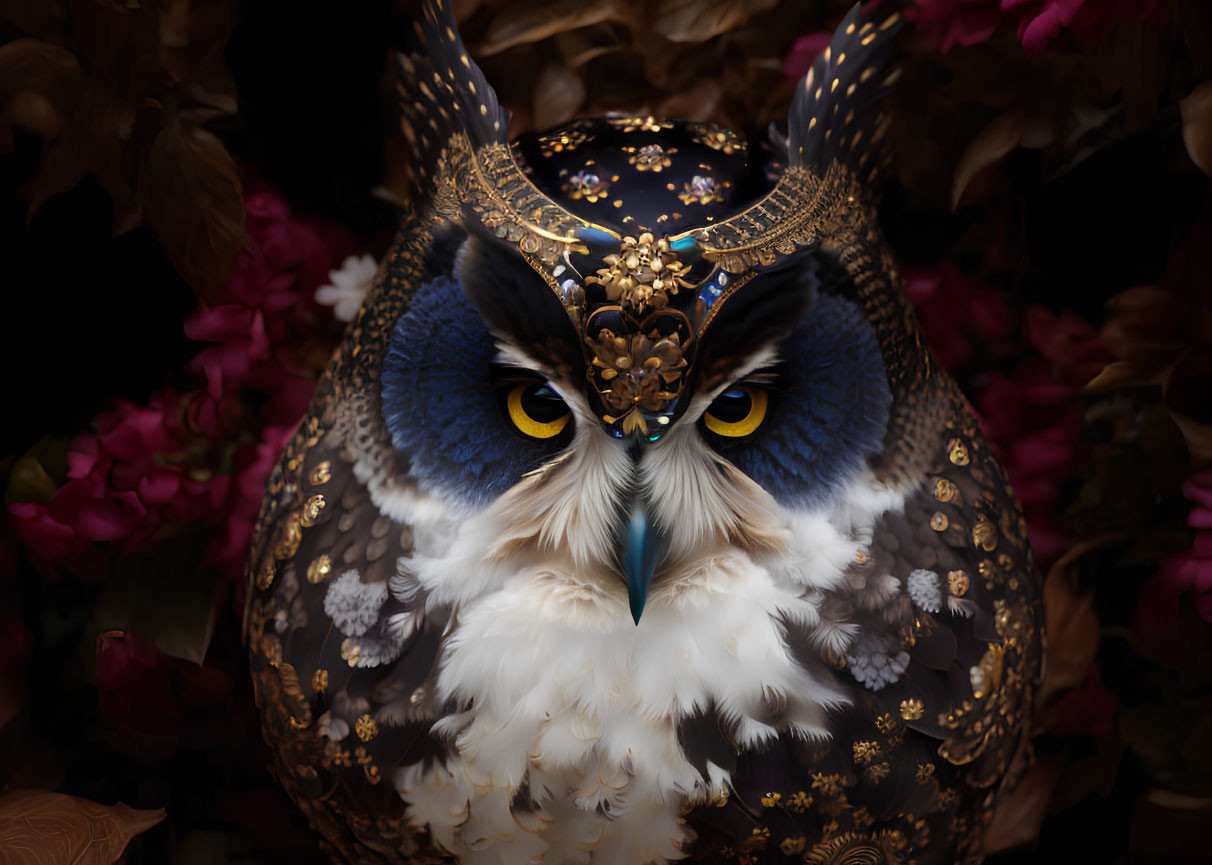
(180, 176)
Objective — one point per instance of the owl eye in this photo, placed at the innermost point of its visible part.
(737, 412)
(536, 410)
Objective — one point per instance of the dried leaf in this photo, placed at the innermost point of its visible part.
(168, 599)
(191, 194)
(519, 24)
(700, 20)
(993, 143)
(38, 827)
(557, 96)
(1072, 624)
(1197, 125)
(1019, 816)
(40, 86)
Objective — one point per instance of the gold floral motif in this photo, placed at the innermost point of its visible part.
(957, 452)
(865, 752)
(984, 534)
(366, 728)
(319, 680)
(944, 490)
(723, 140)
(987, 674)
(958, 582)
(321, 474)
(561, 142)
(702, 189)
(638, 369)
(912, 709)
(771, 799)
(877, 772)
(642, 274)
(799, 802)
(587, 184)
(320, 567)
(651, 157)
(887, 724)
(312, 509)
(288, 537)
(830, 786)
(925, 772)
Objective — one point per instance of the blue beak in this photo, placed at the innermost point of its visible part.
(646, 546)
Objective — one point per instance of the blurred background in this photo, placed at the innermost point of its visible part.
(195, 193)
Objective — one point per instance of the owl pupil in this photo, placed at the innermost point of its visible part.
(543, 404)
(732, 406)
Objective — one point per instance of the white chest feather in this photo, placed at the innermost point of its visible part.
(566, 728)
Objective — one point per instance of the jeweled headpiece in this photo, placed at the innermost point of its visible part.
(635, 223)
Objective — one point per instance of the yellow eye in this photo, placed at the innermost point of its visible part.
(737, 412)
(537, 410)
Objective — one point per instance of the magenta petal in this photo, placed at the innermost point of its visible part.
(159, 487)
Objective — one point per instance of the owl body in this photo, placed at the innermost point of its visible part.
(633, 522)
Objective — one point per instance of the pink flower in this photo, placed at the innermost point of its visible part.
(948, 23)
(967, 22)
(1189, 571)
(959, 315)
(140, 687)
(1041, 20)
(1089, 708)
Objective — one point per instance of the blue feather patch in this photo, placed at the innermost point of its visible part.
(831, 416)
(441, 406)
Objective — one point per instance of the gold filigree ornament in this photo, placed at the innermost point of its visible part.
(636, 370)
(642, 274)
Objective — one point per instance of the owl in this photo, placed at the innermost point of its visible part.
(633, 520)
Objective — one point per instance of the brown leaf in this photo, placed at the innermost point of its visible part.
(192, 196)
(700, 20)
(993, 143)
(1197, 125)
(167, 598)
(579, 46)
(1072, 624)
(40, 86)
(557, 96)
(518, 24)
(1019, 816)
(38, 827)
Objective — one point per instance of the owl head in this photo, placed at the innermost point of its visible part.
(632, 342)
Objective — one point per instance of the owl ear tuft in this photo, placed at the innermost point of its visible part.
(442, 91)
(837, 114)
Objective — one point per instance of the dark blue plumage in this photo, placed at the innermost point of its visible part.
(832, 413)
(441, 406)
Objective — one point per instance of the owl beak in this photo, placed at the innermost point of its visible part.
(646, 546)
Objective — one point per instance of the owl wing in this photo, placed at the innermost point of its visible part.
(342, 642)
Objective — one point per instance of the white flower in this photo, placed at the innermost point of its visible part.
(923, 588)
(349, 285)
(876, 660)
(352, 604)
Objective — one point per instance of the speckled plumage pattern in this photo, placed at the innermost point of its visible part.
(442, 647)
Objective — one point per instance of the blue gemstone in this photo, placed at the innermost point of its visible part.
(681, 243)
(597, 235)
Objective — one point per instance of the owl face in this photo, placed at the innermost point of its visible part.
(631, 490)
